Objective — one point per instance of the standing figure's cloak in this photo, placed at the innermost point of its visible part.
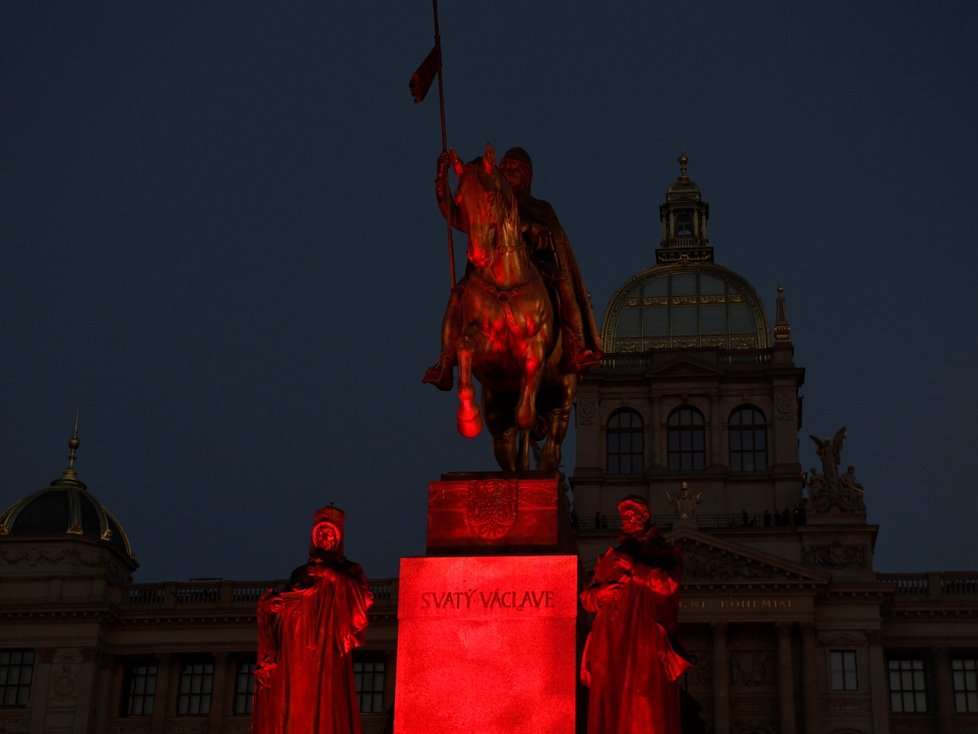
(630, 665)
(305, 636)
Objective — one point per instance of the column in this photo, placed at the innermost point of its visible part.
(721, 679)
(811, 684)
(943, 689)
(219, 694)
(655, 434)
(716, 431)
(879, 684)
(786, 678)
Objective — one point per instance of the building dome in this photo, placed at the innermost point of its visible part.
(685, 306)
(66, 508)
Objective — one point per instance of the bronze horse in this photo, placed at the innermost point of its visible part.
(510, 339)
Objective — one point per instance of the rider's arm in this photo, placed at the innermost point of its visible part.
(446, 202)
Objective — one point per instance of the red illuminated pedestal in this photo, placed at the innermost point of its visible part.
(486, 642)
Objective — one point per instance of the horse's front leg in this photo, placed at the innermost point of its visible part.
(526, 408)
(469, 418)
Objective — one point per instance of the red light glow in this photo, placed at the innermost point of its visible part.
(486, 645)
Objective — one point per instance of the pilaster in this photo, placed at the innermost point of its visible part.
(879, 684)
(812, 685)
(786, 678)
(944, 689)
(721, 679)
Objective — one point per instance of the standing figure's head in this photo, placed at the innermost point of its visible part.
(636, 517)
(517, 168)
(327, 530)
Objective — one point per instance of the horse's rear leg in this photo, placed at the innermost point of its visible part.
(504, 449)
(469, 418)
(524, 449)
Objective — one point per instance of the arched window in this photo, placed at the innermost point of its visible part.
(687, 439)
(625, 443)
(748, 440)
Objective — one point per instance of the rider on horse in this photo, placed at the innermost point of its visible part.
(551, 252)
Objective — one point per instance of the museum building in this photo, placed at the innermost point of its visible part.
(695, 406)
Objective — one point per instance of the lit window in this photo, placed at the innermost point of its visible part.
(196, 684)
(908, 690)
(687, 439)
(842, 664)
(244, 688)
(748, 440)
(625, 439)
(16, 671)
(965, 673)
(140, 688)
(368, 677)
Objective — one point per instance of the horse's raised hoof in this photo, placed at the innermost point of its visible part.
(469, 422)
(439, 375)
(469, 416)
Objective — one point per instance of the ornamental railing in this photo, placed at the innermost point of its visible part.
(933, 585)
(591, 524)
(638, 360)
(222, 593)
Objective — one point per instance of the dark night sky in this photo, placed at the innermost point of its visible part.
(220, 243)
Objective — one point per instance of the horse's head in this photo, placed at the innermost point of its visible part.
(488, 207)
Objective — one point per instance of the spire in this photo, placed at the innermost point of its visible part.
(683, 217)
(782, 329)
(73, 444)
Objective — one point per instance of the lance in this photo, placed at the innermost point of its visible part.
(420, 84)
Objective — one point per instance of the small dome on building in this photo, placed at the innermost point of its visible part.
(685, 306)
(66, 508)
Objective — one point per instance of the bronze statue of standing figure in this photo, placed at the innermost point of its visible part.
(306, 633)
(633, 658)
(520, 318)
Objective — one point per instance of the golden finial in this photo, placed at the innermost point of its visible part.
(73, 444)
(683, 160)
(782, 330)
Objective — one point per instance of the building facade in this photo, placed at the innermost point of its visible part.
(696, 406)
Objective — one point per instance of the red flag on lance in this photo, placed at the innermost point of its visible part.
(422, 78)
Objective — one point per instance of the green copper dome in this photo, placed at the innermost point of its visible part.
(685, 306)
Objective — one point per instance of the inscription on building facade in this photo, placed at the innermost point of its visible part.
(734, 603)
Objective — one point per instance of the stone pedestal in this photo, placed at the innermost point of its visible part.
(487, 621)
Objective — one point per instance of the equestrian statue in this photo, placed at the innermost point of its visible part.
(519, 320)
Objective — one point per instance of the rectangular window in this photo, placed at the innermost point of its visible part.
(139, 688)
(908, 690)
(196, 683)
(965, 672)
(16, 672)
(842, 664)
(368, 677)
(244, 688)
